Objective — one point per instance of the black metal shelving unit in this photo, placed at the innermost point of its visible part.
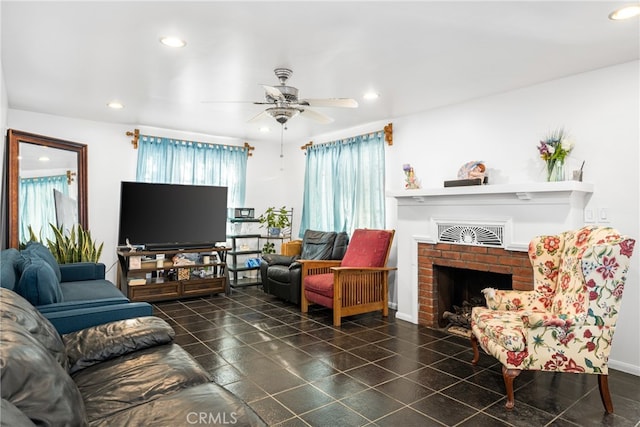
(238, 255)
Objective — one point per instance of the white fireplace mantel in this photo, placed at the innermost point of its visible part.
(526, 193)
(526, 209)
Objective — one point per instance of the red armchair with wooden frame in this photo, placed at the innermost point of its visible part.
(357, 284)
(566, 323)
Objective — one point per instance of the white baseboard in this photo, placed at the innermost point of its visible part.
(624, 367)
(406, 318)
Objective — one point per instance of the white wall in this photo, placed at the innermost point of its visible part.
(4, 107)
(599, 108)
(4, 103)
(275, 181)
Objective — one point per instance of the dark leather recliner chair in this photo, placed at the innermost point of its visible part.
(281, 273)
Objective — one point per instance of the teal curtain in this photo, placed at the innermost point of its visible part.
(344, 185)
(172, 161)
(37, 205)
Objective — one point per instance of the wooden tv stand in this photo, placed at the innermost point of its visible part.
(153, 276)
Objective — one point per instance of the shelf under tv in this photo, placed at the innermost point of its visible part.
(170, 281)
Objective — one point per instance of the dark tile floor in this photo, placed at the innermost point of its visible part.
(298, 370)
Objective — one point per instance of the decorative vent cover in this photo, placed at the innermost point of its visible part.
(474, 235)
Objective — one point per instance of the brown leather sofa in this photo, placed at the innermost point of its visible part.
(281, 273)
(127, 372)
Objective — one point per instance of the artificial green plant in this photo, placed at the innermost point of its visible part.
(75, 246)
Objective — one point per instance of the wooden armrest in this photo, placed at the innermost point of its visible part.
(317, 266)
(354, 269)
(320, 262)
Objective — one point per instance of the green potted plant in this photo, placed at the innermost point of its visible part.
(77, 246)
(269, 248)
(275, 220)
(67, 248)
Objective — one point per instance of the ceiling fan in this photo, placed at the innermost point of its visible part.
(284, 103)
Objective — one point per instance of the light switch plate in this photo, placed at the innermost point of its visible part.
(588, 216)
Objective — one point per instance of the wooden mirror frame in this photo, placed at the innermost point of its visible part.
(14, 138)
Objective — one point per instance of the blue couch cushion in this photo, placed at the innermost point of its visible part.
(9, 260)
(37, 249)
(82, 271)
(66, 321)
(38, 283)
(85, 290)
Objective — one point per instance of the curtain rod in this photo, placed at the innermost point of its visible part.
(388, 136)
(136, 137)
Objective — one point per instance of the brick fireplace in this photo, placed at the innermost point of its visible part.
(481, 228)
(477, 258)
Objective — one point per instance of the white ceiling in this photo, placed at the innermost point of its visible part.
(71, 58)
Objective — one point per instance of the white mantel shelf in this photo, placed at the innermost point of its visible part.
(530, 191)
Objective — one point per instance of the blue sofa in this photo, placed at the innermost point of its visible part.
(72, 296)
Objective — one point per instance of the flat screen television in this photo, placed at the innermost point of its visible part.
(172, 216)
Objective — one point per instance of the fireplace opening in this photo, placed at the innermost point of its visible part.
(460, 288)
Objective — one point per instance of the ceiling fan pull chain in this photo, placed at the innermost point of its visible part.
(282, 141)
(282, 128)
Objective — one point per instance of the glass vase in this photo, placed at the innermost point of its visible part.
(555, 170)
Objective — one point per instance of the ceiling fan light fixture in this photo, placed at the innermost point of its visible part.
(626, 12)
(282, 114)
(171, 41)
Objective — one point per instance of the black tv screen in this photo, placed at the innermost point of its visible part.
(171, 215)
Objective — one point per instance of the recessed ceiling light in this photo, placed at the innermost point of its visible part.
(626, 12)
(115, 105)
(264, 129)
(371, 95)
(172, 41)
(43, 159)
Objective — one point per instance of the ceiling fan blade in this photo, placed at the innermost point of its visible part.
(314, 115)
(258, 117)
(274, 92)
(330, 102)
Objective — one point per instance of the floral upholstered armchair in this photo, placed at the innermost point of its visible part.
(566, 323)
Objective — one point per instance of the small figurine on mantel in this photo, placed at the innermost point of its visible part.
(477, 171)
(471, 170)
(471, 173)
(411, 182)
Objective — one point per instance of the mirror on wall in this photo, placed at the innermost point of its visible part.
(47, 184)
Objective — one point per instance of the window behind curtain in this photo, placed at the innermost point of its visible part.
(37, 205)
(170, 161)
(344, 185)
